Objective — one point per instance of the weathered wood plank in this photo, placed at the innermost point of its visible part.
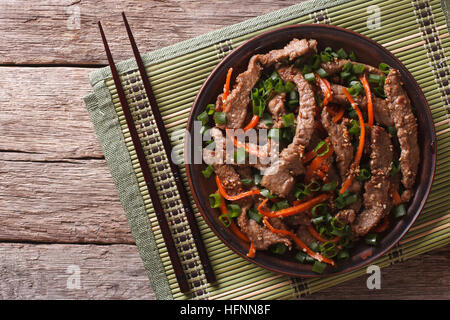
(65, 31)
(43, 115)
(68, 201)
(29, 271)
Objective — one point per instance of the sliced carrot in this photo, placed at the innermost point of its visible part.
(339, 115)
(347, 183)
(325, 86)
(396, 199)
(224, 210)
(299, 242)
(309, 156)
(242, 195)
(318, 162)
(382, 226)
(319, 237)
(226, 90)
(369, 99)
(252, 123)
(252, 251)
(292, 210)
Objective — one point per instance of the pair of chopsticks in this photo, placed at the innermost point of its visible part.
(162, 221)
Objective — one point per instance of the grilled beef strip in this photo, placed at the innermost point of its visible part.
(279, 179)
(305, 236)
(260, 236)
(239, 97)
(340, 141)
(346, 216)
(277, 110)
(377, 197)
(294, 49)
(336, 66)
(406, 125)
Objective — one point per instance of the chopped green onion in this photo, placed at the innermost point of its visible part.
(301, 257)
(310, 77)
(347, 67)
(345, 74)
(225, 219)
(266, 193)
(352, 56)
(306, 69)
(267, 119)
(343, 255)
(395, 167)
(384, 67)
(355, 88)
(399, 211)
(313, 186)
(379, 91)
(204, 130)
(208, 171)
(351, 199)
(319, 147)
(331, 186)
(288, 120)
(280, 205)
(358, 68)
(314, 247)
(374, 78)
(337, 224)
(210, 108)
(301, 192)
(364, 174)
(215, 200)
(319, 267)
(247, 181)
(203, 117)
(220, 117)
(319, 210)
(325, 57)
(318, 220)
(342, 54)
(278, 248)
(315, 61)
(322, 73)
(289, 86)
(392, 131)
(371, 239)
(254, 215)
(257, 179)
(354, 129)
(274, 134)
(234, 210)
(240, 155)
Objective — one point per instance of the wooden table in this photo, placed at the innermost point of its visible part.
(59, 208)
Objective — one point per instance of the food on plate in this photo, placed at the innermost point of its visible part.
(324, 152)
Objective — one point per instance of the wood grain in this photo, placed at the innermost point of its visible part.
(59, 204)
(71, 201)
(29, 271)
(47, 30)
(43, 115)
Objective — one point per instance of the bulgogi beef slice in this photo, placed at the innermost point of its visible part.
(216, 154)
(230, 179)
(277, 110)
(346, 216)
(406, 125)
(340, 140)
(377, 197)
(278, 180)
(239, 96)
(260, 236)
(306, 110)
(294, 49)
(335, 66)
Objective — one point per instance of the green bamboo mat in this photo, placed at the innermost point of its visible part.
(415, 31)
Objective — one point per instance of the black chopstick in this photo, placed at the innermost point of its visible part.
(162, 221)
(206, 264)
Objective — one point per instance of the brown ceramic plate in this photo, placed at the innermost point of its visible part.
(367, 51)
